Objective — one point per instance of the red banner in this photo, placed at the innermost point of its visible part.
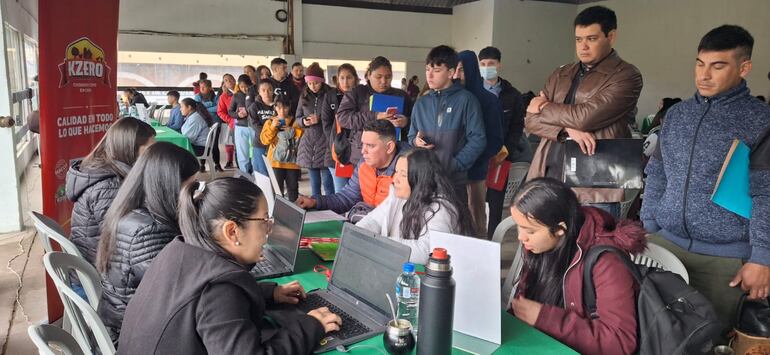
(78, 62)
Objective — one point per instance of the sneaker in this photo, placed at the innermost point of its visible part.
(229, 165)
(218, 168)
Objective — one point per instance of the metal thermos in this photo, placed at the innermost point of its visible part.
(437, 299)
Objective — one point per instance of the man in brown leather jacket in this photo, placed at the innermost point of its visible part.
(585, 101)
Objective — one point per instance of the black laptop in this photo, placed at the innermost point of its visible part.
(365, 269)
(617, 163)
(280, 252)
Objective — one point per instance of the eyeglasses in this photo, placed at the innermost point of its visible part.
(269, 220)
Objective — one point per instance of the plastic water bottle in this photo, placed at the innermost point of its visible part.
(408, 294)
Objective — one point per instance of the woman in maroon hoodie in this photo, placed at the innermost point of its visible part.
(556, 233)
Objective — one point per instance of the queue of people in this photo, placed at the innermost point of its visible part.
(185, 284)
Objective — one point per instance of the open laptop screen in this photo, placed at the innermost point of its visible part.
(284, 238)
(367, 266)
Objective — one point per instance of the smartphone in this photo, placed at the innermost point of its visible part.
(282, 122)
(426, 140)
(392, 111)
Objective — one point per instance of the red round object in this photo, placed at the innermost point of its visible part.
(439, 254)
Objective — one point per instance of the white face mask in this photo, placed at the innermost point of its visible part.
(488, 73)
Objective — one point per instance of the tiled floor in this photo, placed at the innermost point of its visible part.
(21, 254)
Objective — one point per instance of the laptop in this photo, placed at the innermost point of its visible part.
(365, 269)
(617, 163)
(280, 252)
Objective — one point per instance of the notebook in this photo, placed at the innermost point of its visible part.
(617, 163)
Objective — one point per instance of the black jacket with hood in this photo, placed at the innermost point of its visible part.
(92, 191)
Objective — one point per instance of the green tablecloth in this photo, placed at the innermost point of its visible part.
(165, 134)
(518, 337)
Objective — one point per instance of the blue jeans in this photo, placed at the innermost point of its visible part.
(243, 137)
(339, 182)
(612, 208)
(317, 176)
(257, 162)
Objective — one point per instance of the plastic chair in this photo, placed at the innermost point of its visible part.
(271, 174)
(164, 116)
(49, 339)
(209, 148)
(516, 176)
(151, 110)
(48, 229)
(629, 198)
(509, 288)
(88, 329)
(503, 228)
(659, 257)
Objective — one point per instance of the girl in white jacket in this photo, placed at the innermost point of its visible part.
(420, 199)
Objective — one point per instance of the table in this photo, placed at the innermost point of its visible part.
(518, 337)
(165, 134)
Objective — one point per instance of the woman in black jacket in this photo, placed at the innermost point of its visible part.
(198, 296)
(242, 98)
(354, 110)
(315, 114)
(93, 182)
(141, 221)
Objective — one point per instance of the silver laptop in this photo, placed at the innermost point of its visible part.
(280, 252)
(365, 269)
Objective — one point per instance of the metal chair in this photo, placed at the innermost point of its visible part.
(516, 176)
(87, 328)
(209, 148)
(49, 339)
(659, 257)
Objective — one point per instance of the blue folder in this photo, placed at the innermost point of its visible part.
(732, 188)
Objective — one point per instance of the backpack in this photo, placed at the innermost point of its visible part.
(673, 318)
(286, 148)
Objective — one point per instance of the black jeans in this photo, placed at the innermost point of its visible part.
(215, 150)
(288, 180)
(495, 199)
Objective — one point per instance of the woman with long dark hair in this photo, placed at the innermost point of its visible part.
(93, 182)
(238, 109)
(197, 122)
(421, 199)
(347, 79)
(140, 222)
(315, 114)
(198, 296)
(556, 233)
(354, 111)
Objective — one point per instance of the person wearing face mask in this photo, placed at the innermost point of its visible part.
(590, 99)
(514, 140)
(354, 112)
(198, 297)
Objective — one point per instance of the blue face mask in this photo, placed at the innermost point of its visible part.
(488, 73)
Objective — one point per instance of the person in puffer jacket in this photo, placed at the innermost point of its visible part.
(140, 222)
(93, 182)
(556, 233)
(315, 114)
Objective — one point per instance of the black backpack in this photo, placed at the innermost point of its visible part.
(673, 318)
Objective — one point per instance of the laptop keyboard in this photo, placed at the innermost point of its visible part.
(350, 326)
(263, 267)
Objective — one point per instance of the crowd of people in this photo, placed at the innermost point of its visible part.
(175, 253)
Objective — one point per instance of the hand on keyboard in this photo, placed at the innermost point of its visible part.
(349, 326)
(330, 321)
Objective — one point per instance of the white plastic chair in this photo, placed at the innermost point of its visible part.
(273, 179)
(628, 200)
(151, 110)
(657, 256)
(502, 229)
(87, 328)
(516, 176)
(48, 229)
(209, 148)
(49, 339)
(141, 112)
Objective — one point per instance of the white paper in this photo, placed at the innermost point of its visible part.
(476, 271)
(322, 216)
(263, 182)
